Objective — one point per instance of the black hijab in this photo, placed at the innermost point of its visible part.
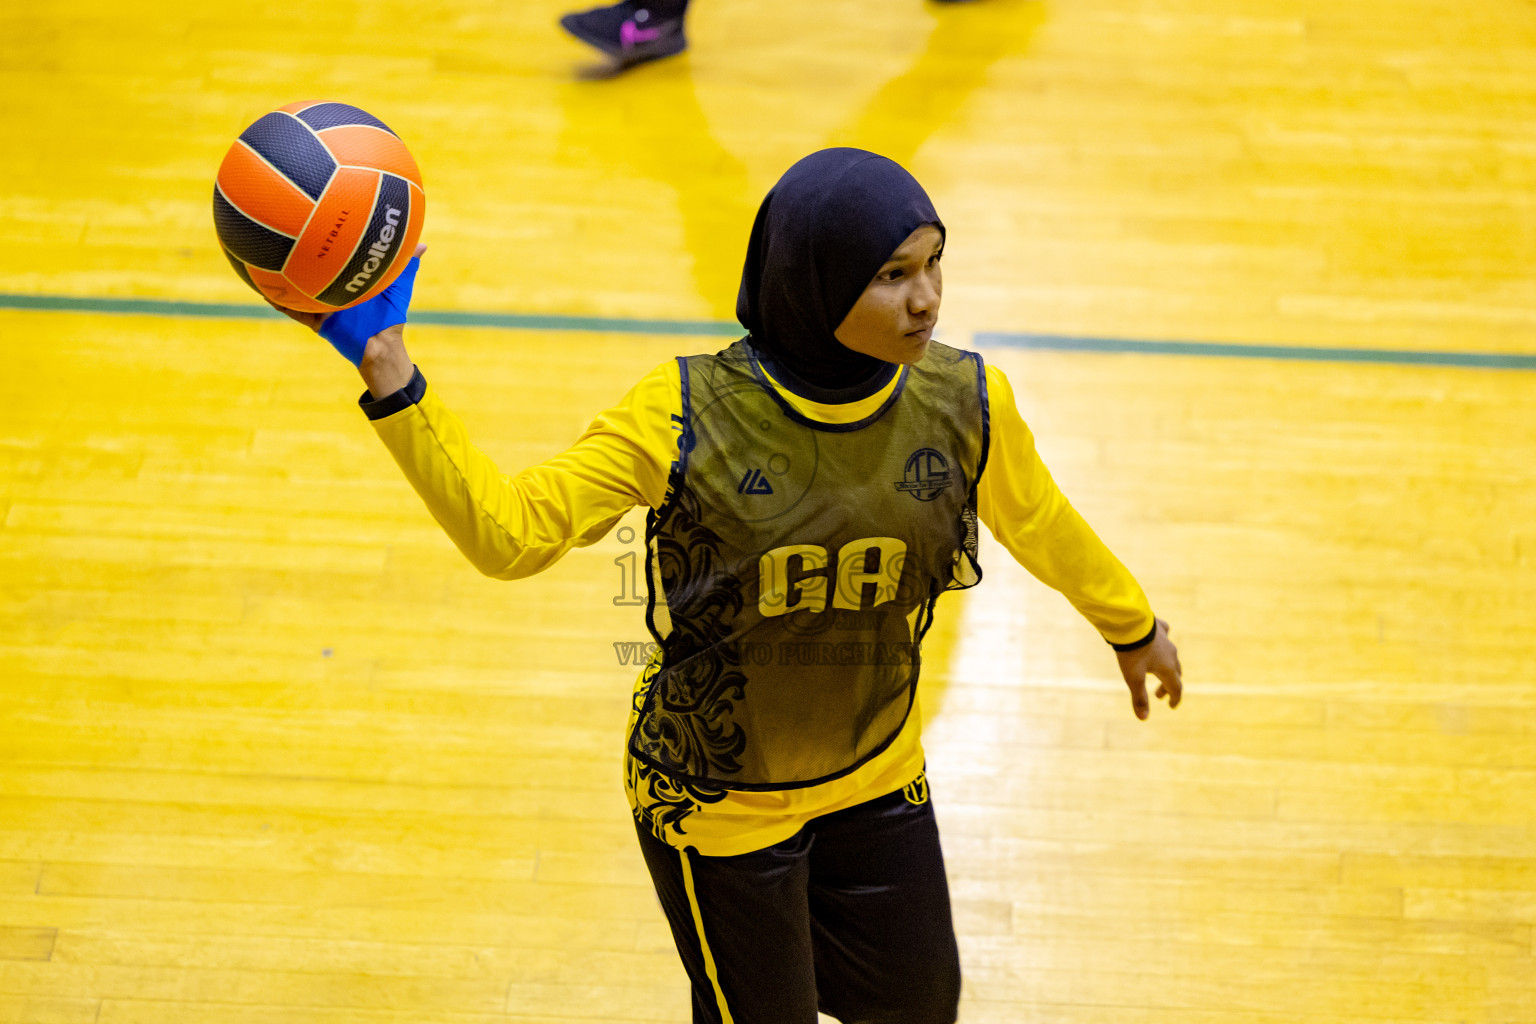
(821, 235)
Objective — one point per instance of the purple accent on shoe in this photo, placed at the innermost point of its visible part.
(631, 34)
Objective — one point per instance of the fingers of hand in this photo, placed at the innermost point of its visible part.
(1173, 682)
(1139, 702)
(1165, 665)
(1172, 687)
(310, 320)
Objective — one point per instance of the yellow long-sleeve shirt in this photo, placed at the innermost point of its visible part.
(510, 527)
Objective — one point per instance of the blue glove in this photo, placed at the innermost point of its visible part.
(349, 329)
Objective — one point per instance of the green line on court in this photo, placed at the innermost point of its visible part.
(727, 329)
(1297, 353)
(140, 307)
(251, 311)
(552, 322)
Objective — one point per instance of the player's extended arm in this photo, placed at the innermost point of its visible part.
(508, 527)
(1025, 510)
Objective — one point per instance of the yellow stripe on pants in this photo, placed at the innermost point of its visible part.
(698, 926)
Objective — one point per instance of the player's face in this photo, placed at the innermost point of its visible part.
(894, 318)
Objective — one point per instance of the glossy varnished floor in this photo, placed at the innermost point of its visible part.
(272, 753)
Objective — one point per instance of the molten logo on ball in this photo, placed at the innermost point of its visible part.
(377, 251)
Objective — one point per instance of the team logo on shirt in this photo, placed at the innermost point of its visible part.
(926, 475)
(754, 483)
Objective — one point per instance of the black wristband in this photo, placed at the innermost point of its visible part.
(1137, 645)
(393, 403)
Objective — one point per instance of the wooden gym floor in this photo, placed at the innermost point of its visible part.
(272, 753)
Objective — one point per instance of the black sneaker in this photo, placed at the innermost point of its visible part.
(628, 32)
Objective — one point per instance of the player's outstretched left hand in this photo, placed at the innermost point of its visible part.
(1159, 658)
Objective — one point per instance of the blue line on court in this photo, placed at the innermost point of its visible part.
(727, 329)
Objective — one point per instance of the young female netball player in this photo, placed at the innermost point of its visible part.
(814, 488)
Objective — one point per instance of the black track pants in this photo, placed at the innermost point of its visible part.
(849, 916)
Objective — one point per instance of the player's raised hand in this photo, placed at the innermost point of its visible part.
(348, 330)
(1159, 658)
